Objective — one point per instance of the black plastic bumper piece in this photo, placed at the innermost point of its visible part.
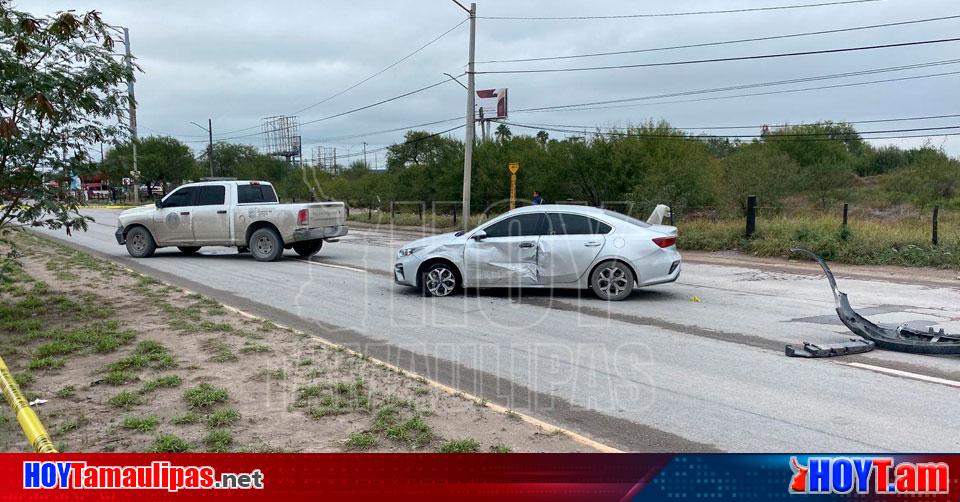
(812, 350)
(121, 239)
(901, 339)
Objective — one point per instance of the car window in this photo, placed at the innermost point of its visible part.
(180, 198)
(247, 194)
(574, 224)
(623, 217)
(213, 195)
(517, 226)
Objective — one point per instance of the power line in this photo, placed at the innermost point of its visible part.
(590, 105)
(727, 59)
(407, 142)
(363, 81)
(354, 110)
(374, 75)
(673, 14)
(726, 42)
(756, 126)
(383, 131)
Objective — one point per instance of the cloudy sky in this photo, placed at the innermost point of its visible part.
(238, 61)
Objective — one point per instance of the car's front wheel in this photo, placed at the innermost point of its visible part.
(140, 243)
(612, 281)
(307, 249)
(439, 279)
(266, 245)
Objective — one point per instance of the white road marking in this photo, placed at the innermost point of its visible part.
(906, 374)
(354, 269)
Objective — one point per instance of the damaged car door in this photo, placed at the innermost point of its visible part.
(568, 245)
(504, 253)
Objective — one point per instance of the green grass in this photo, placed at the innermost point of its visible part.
(412, 431)
(904, 241)
(266, 374)
(164, 382)
(117, 378)
(460, 446)
(213, 327)
(147, 353)
(222, 417)
(361, 441)
(500, 448)
(23, 379)
(322, 400)
(254, 348)
(219, 351)
(125, 400)
(141, 424)
(169, 443)
(66, 392)
(218, 440)
(45, 363)
(205, 396)
(73, 424)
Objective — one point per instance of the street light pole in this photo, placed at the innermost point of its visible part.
(135, 173)
(470, 118)
(209, 130)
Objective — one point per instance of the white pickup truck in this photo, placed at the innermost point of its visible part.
(244, 214)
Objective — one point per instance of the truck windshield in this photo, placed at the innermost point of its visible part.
(247, 194)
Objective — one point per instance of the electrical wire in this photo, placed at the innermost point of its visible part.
(757, 126)
(591, 105)
(726, 42)
(673, 14)
(726, 59)
(383, 131)
(629, 132)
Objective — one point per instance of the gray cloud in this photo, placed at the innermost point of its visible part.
(241, 60)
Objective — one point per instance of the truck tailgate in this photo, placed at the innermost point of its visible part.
(327, 214)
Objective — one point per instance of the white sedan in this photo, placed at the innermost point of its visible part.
(546, 246)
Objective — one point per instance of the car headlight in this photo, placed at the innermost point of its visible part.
(407, 252)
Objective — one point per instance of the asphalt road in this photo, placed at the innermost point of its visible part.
(660, 371)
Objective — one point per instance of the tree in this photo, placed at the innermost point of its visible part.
(542, 138)
(60, 92)
(503, 132)
(161, 160)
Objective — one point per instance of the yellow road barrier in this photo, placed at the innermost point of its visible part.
(29, 422)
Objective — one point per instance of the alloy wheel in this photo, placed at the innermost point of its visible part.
(613, 280)
(441, 281)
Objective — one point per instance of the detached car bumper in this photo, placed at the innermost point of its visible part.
(312, 234)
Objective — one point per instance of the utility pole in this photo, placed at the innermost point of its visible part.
(365, 155)
(470, 119)
(135, 173)
(209, 130)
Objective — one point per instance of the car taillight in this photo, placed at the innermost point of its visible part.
(665, 242)
(303, 216)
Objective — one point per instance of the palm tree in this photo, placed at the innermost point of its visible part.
(542, 138)
(503, 132)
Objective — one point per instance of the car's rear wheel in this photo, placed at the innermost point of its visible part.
(439, 279)
(188, 250)
(307, 249)
(266, 245)
(612, 281)
(140, 243)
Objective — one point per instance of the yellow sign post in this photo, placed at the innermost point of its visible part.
(514, 167)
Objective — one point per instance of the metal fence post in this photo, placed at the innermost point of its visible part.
(936, 213)
(846, 207)
(392, 211)
(751, 216)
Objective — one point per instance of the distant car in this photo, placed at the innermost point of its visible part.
(245, 214)
(546, 246)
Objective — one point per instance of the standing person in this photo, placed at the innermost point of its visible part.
(537, 199)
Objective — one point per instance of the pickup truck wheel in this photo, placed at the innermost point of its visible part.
(266, 245)
(307, 249)
(140, 243)
(188, 250)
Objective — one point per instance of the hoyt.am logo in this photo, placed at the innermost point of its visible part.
(877, 475)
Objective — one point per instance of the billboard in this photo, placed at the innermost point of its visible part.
(493, 103)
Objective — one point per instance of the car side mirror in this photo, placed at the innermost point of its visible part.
(479, 236)
(158, 203)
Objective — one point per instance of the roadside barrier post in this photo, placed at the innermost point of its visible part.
(936, 213)
(751, 216)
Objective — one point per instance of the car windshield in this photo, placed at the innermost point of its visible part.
(623, 217)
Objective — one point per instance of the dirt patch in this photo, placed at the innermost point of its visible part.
(131, 364)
